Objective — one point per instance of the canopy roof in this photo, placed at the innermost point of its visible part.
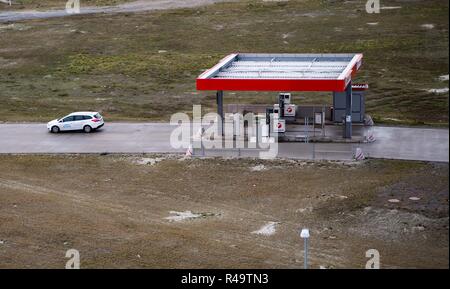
(281, 72)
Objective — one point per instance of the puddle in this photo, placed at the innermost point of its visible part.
(148, 161)
(258, 168)
(392, 119)
(390, 7)
(304, 210)
(5, 62)
(427, 26)
(443, 77)
(15, 26)
(187, 215)
(438, 90)
(286, 35)
(181, 216)
(267, 230)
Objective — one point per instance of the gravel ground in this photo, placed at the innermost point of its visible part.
(156, 211)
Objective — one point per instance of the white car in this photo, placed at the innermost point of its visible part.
(85, 121)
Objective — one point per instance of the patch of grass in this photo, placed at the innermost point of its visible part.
(162, 67)
(45, 4)
(144, 65)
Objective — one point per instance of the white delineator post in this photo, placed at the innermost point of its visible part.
(189, 151)
(359, 155)
(304, 234)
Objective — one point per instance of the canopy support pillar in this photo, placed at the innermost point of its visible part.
(219, 99)
(348, 111)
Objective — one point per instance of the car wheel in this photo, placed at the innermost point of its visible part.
(55, 129)
(87, 129)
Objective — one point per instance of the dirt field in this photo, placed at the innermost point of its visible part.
(141, 66)
(116, 210)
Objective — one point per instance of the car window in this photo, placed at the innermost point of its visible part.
(78, 117)
(67, 119)
(86, 117)
(98, 116)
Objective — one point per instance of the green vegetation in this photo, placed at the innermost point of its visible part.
(144, 65)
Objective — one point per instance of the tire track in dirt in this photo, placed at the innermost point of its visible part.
(227, 238)
(84, 200)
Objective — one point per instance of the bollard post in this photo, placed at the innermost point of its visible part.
(304, 234)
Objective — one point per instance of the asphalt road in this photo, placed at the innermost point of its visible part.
(112, 138)
(135, 6)
(425, 144)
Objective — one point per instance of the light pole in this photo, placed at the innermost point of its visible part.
(304, 234)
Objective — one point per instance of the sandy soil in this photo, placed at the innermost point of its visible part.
(131, 212)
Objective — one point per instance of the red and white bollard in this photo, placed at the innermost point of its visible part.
(370, 136)
(359, 155)
(189, 151)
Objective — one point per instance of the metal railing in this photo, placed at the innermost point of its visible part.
(295, 150)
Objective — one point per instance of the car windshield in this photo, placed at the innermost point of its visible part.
(98, 116)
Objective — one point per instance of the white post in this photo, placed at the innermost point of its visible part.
(304, 234)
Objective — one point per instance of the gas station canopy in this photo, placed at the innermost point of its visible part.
(281, 72)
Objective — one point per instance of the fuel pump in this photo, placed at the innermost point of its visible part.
(278, 124)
